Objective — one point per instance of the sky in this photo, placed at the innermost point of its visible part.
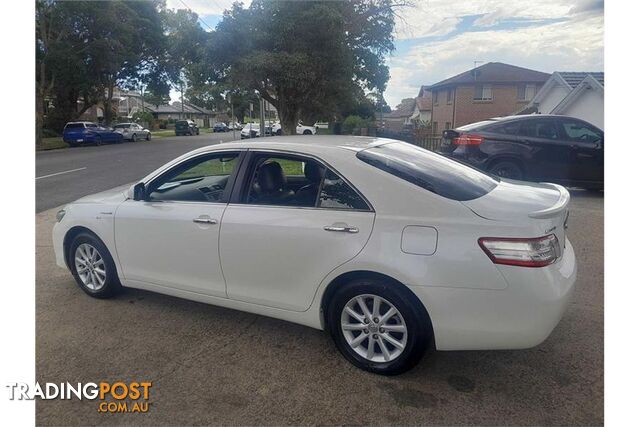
(437, 39)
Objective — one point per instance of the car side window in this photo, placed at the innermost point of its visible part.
(545, 129)
(336, 193)
(204, 179)
(509, 128)
(298, 181)
(285, 181)
(579, 132)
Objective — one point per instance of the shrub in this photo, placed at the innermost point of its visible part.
(352, 124)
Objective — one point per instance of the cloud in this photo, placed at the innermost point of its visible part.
(202, 7)
(571, 45)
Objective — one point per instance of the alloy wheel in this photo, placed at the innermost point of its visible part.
(90, 267)
(374, 328)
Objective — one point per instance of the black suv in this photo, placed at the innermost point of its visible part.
(186, 127)
(533, 147)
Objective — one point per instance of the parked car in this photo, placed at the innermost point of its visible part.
(236, 126)
(132, 131)
(390, 247)
(536, 147)
(186, 127)
(300, 129)
(250, 130)
(220, 127)
(84, 133)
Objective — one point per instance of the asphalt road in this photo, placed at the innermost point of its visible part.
(68, 174)
(211, 365)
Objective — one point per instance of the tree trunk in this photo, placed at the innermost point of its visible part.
(288, 118)
(39, 116)
(108, 111)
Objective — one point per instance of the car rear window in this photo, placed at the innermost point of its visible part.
(429, 170)
(181, 122)
(122, 126)
(74, 126)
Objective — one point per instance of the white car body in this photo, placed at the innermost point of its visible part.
(300, 129)
(248, 129)
(132, 131)
(279, 261)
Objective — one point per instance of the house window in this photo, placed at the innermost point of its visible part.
(447, 126)
(483, 93)
(449, 96)
(434, 128)
(435, 97)
(526, 92)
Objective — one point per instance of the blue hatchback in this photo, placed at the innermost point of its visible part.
(83, 133)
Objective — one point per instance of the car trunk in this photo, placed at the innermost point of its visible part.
(544, 204)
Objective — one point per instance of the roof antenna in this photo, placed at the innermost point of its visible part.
(474, 72)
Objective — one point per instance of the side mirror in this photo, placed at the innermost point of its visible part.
(139, 191)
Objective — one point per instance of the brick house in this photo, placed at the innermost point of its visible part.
(490, 90)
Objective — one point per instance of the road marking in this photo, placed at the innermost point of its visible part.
(60, 173)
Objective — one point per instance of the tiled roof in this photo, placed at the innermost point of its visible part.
(573, 78)
(495, 72)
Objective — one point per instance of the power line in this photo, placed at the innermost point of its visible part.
(201, 20)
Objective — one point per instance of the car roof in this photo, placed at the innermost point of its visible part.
(303, 143)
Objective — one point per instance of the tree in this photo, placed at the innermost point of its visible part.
(338, 50)
(85, 48)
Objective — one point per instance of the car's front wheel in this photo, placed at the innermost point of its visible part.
(148, 136)
(92, 266)
(378, 326)
(134, 138)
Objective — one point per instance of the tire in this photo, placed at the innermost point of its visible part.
(507, 169)
(307, 132)
(148, 138)
(415, 339)
(134, 138)
(198, 132)
(279, 132)
(98, 141)
(94, 283)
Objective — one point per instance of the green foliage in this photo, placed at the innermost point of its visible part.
(336, 52)
(353, 124)
(143, 117)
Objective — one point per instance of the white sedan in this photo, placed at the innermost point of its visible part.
(391, 248)
(132, 131)
(300, 129)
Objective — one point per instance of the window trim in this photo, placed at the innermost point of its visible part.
(227, 191)
(482, 98)
(244, 176)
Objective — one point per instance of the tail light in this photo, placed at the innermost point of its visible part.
(468, 139)
(535, 252)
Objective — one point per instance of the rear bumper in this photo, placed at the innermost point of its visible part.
(520, 316)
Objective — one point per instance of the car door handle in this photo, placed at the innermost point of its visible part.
(204, 220)
(341, 228)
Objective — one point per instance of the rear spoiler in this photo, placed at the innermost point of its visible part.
(450, 134)
(559, 206)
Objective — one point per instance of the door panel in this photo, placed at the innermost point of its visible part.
(549, 155)
(277, 256)
(586, 150)
(159, 242)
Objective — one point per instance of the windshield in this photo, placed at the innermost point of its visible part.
(121, 126)
(429, 170)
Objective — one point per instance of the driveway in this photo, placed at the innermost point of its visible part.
(68, 174)
(212, 365)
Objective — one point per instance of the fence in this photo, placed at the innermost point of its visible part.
(421, 138)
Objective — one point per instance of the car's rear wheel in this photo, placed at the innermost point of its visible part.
(92, 266)
(98, 140)
(148, 136)
(279, 132)
(307, 132)
(134, 138)
(507, 169)
(378, 326)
